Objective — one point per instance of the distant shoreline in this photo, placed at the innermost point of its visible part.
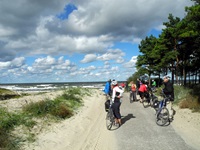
(37, 83)
(51, 86)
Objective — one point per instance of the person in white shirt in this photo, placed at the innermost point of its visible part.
(116, 95)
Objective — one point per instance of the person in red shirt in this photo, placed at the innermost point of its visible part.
(143, 92)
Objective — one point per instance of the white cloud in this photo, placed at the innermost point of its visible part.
(35, 31)
(131, 63)
(15, 63)
(89, 58)
(116, 55)
(160, 27)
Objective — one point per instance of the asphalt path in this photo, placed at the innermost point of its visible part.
(139, 130)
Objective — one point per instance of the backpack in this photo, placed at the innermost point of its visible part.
(107, 105)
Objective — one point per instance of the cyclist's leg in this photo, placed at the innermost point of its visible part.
(170, 109)
(116, 110)
(134, 96)
(147, 96)
(131, 95)
(141, 96)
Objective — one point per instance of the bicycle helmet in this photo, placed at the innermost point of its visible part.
(114, 82)
(166, 77)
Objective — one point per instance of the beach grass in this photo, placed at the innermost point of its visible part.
(62, 107)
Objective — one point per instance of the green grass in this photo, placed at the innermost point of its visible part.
(7, 123)
(60, 108)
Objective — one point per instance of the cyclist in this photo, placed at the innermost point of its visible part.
(153, 85)
(143, 92)
(116, 95)
(107, 89)
(169, 92)
(137, 85)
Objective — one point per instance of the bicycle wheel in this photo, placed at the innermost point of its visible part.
(162, 116)
(109, 119)
(145, 103)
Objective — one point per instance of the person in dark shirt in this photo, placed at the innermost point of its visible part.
(169, 92)
(137, 85)
(168, 89)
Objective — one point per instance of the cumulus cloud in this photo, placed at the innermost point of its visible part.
(111, 54)
(15, 63)
(31, 29)
(89, 58)
(131, 63)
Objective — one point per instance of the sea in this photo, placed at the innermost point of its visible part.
(39, 87)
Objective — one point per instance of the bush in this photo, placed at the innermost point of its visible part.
(185, 99)
(62, 111)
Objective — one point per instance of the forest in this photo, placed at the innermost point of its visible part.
(176, 51)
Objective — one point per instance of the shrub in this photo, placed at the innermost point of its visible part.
(62, 111)
(185, 99)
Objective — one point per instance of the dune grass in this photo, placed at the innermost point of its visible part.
(60, 108)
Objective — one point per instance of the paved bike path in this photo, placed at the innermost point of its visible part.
(139, 130)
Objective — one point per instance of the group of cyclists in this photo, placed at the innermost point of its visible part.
(114, 91)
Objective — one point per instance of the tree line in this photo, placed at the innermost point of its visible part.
(176, 51)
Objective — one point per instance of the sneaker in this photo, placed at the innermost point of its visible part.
(171, 119)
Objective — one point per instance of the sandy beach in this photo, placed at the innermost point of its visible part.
(87, 129)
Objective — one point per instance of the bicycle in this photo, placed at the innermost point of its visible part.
(147, 100)
(162, 114)
(151, 100)
(110, 119)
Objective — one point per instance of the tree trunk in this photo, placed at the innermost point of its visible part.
(184, 76)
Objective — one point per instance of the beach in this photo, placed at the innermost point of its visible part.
(86, 130)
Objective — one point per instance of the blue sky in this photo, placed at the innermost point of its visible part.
(76, 40)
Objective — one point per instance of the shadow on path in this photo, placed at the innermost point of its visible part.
(127, 117)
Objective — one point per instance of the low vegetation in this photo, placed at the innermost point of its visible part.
(7, 94)
(62, 107)
(188, 97)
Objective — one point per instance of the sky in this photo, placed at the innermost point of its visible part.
(77, 40)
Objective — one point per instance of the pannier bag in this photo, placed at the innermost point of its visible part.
(107, 105)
